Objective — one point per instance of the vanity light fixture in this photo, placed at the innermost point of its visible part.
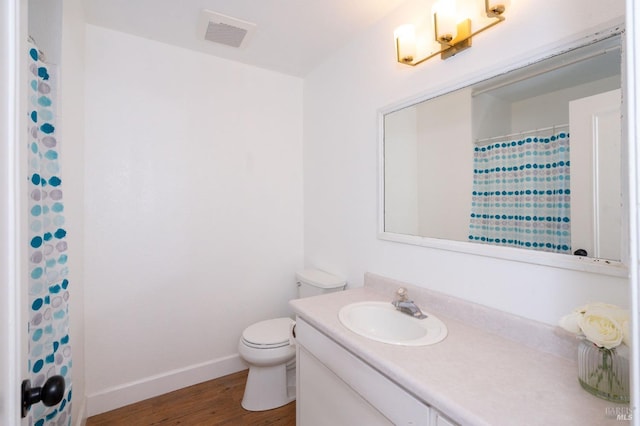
(453, 35)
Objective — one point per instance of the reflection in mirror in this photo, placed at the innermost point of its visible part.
(529, 159)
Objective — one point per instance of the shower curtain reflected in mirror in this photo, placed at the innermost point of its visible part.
(521, 193)
(49, 348)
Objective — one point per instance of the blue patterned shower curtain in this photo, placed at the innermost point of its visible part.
(49, 349)
(521, 195)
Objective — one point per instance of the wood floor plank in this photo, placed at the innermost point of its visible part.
(216, 402)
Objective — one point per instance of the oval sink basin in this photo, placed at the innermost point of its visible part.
(380, 321)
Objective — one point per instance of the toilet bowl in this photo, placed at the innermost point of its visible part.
(265, 346)
(268, 348)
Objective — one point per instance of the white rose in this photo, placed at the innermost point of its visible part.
(571, 322)
(600, 323)
(618, 314)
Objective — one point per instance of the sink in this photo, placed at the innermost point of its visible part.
(380, 321)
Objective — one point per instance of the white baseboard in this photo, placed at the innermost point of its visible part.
(129, 393)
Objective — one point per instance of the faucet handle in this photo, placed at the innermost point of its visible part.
(402, 294)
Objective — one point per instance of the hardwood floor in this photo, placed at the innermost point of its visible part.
(216, 402)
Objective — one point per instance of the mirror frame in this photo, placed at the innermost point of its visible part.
(564, 261)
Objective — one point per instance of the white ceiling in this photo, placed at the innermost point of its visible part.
(292, 36)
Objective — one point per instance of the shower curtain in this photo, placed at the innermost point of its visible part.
(49, 349)
(521, 194)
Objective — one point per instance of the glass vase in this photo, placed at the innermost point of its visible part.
(604, 372)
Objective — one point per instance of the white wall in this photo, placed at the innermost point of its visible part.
(401, 172)
(193, 212)
(444, 187)
(342, 98)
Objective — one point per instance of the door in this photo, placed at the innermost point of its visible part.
(596, 127)
(13, 322)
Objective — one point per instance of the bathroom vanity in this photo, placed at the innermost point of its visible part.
(493, 368)
(338, 388)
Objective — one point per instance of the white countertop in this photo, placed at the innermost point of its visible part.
(474, 376)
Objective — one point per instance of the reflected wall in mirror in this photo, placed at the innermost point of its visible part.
(528, 159)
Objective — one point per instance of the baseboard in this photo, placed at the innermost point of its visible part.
(129, 393)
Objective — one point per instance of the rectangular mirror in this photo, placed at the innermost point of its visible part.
(529, 160)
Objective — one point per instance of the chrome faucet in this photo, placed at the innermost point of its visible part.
(404, 305)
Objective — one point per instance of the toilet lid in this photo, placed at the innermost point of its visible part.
(269, 332)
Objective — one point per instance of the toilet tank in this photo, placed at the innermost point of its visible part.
(313, 282)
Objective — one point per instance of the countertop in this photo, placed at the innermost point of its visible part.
(474, 376)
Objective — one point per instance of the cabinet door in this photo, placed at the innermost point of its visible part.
(372, 395)
(325, 400)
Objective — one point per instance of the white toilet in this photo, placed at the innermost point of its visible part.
(267, 348)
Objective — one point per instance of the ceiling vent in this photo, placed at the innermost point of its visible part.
(225, 30)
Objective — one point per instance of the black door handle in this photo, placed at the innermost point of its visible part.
(580, 252)
(50, 393)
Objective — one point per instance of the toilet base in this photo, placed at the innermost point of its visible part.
(269, 387)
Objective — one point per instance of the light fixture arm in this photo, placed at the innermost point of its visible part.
(462, 40)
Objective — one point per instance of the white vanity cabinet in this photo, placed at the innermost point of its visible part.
(324, 399)
(334, 387)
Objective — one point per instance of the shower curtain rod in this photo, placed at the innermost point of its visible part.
(484, 141)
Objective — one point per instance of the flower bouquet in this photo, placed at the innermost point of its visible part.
(603, 354)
